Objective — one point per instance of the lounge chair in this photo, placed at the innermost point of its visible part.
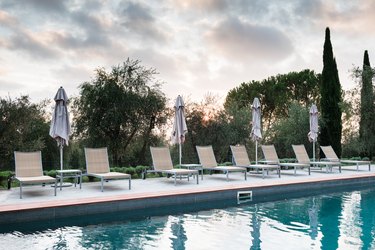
(97, 165)
(29, 170)
(331, 156)
(162, 163)
(241, 159)
(271, 157)
(303, 157)
(207, 160)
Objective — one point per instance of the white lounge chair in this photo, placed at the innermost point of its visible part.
(207, 160)
(271, 157)
(331, 156)
(241, 159)
(162, 163)
(303, 157)
(29, 170)
(97, 165)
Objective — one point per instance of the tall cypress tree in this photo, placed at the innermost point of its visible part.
(330, 93)
(366, 124)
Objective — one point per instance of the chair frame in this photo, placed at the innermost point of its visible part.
(271, 157)
(332, 157)
(211, 164)
(23, 161)
(165, 165)
(104, 174)
(303, 157)
(241, 159)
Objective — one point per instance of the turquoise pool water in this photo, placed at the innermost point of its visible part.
(344, 220)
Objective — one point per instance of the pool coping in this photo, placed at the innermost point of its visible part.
(277, 189)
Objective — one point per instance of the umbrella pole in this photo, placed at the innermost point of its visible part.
(313, 150)
(61, 157)
(180, 153)
(256, 152)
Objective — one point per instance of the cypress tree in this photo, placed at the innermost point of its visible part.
(330, 93)
(366, 127)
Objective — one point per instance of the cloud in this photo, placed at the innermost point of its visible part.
(238, 40)
(25, 41)
(50, 31)
(39, 5)
(202, 5)
(138, 19)
(10, 86)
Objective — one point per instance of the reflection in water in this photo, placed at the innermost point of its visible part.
(367, 218)
(313, 219)
(350, 222)
(178, 231)
(255, 230)
(335, 221)
(329, 214)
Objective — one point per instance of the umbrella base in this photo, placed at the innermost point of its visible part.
(64, 184)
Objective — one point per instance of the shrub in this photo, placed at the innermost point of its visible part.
(5, 178)
(130, 170)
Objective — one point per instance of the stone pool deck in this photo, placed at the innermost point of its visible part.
(39, 203)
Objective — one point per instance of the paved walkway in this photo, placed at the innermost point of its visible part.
(39, 197)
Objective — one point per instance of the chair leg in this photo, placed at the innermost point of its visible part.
(55, 186)
(101, 181)
(20, 190)
(197, 174)
(227, 175)
(175, 177)
(130, 184)
(245, 176)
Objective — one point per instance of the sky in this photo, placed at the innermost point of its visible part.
(199, 47)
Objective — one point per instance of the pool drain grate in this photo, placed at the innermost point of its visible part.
(244, 196)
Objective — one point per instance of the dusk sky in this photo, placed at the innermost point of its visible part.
(197, 46)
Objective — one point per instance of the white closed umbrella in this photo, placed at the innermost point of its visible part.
(256, 133)
(314, 129)
(179, 125)
(60, 124)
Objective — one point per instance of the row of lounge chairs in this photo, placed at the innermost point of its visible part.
(162, 161)
(29, 168)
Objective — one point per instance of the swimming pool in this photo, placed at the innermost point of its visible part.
(344, 220)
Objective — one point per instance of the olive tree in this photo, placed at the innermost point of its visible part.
(119, 108)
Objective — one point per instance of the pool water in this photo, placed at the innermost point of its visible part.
(344, 220)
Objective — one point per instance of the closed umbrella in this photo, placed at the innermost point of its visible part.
(179, 125)
(313, 134)
(256, 133)
(60, 125)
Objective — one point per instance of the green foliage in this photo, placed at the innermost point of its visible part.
(51, 173)
(276, 94)
(291, 130)
(135, 172)
(209, 125)
(130, 170)
(23, 127)
(4, 177)
(367, 109)
(330, 92)
(119, 109)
